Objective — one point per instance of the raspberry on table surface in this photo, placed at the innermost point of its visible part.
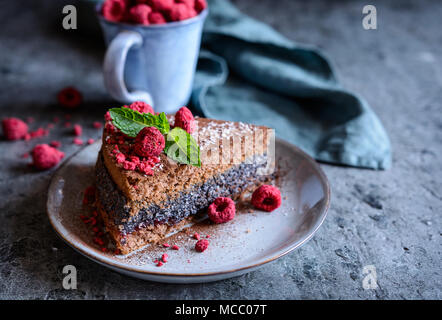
(70, 97)
(45, 156)
(14, 128)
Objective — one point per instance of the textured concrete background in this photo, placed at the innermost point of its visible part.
(390, 219)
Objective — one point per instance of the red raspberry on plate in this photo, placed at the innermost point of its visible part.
(45, 157)
(14, 128)
(149, 142)
(114, 10)
(221, 210)
(185, 120)
(201, 245)
(157, 18)
(140, 14)
(69, 97)
(141, 107)
(266, 198)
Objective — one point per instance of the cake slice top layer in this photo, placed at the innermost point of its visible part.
(223, 144)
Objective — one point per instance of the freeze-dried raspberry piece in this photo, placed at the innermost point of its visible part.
(266, 198)
(45, 157)
(141, 107)
(14, 128)
(107, 116)
(221, 210)
(201, 245)
(97, 125)
(160, 5)
(114, 10)
(200, 5)
(78, 141)
(55, 144)
(149, 142)
(78, 130)
(180, 11)
(185, 120)
(140, 14)
(69, 97)
(157, 18)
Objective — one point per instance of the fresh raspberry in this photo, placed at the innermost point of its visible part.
(114, 10)
(157, 18)
(14, 128)
(161, 5)
(266, 198)
(180, 11)
(221, 210)
(78, 130)
(201, 245)
(200, 5)
(45, 157)
(149, 142)
(189, 3)
(69, 97)
(90, 141)
(141, 107)
(140, 14)
(185, 120)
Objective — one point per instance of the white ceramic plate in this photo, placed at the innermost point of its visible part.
(237, 247)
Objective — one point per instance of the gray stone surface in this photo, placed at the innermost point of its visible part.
(389, 219)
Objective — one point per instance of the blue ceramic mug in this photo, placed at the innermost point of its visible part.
(154, 63)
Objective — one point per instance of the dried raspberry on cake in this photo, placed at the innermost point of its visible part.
(45, 157)
(266, 198)
(114, 10)
(69, 97)
(201, 245)
(14, 128)
(185, 120)
(141, 107)
(140, 14)
(221, 210)
(149, 142)
(161, 5)
(157, 18)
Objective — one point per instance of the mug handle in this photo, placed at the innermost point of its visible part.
(113, 68)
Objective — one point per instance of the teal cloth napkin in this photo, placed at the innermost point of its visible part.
(286, 86)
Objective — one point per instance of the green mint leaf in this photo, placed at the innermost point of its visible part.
(130, 122)
(182, 147)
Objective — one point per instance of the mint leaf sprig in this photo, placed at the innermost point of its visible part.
(130, 122)
(180, 145)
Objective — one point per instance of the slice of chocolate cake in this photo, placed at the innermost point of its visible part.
(142, 199)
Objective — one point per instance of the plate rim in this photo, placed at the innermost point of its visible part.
(98, 259)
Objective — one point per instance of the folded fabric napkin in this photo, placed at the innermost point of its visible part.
(285, 86)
